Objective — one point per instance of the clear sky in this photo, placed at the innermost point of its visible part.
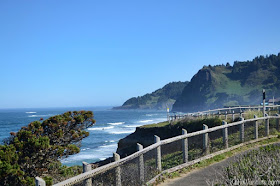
(92, 53)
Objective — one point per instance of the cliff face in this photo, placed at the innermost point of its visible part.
(145, 135)
(225, 85)
(159, 99)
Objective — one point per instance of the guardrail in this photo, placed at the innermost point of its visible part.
(116, 167)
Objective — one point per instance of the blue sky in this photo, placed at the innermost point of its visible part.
(92, 53)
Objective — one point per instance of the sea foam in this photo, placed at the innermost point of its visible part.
(117, 123)
(122, 132)
(146, 121)
(101, 128)
(132, 126)
(44, 115)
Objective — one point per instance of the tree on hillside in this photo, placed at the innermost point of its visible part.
(35, 149)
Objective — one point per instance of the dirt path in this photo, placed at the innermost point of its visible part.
(203, 176)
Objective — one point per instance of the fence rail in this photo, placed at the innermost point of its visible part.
(222, 111)
(88, 175)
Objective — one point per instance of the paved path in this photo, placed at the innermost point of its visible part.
(200, 177)
(203, 176)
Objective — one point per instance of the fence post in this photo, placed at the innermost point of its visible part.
(266, 126)
(277, 122)
(241, 129)
(185, 146)
(256, 128)
(226, 115)
(233, 116)
(205, 140)
(39, 182)
(86, 168)
(219, 113)
(225, 135)
(118, 170)
(263, 102)
(158, 155)
(141, 164)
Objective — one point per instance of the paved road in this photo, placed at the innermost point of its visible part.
(203, 176)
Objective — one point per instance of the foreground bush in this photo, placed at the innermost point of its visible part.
(257, 167)
(35, 150)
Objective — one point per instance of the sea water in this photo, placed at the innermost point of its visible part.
(111, 126)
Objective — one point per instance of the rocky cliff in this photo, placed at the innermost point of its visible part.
(145, 134)
(159, 99)
(226, 85)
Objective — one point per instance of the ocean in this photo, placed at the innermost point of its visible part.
(110, 127)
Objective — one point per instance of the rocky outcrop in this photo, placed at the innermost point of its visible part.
(159, 99)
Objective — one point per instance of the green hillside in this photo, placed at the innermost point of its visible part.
(158, 99)
(226, 85)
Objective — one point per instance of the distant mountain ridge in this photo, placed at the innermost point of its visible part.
(159, 99)
(217, 86)
(226, 85)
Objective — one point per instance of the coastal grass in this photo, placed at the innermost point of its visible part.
(260, 166)
(156, 125)
(192, 124)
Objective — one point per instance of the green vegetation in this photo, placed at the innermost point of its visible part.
(159, 99)
(35, 150)
(257, 167)
(191, 124)
(225, 85)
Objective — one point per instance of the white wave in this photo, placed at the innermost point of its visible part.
(101, 128)
(146, 121)
(102, 159)
(109, 146)
(122, 132)
(30, 112)
(111, 141)
(151, 115)
(92, 154)
(117, 123)
(132, 126)
(35, 116)
(78, 157)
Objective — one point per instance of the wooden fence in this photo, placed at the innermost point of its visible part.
(86, 177)
(232, 111)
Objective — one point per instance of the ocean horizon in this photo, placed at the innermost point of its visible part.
(110, 127)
